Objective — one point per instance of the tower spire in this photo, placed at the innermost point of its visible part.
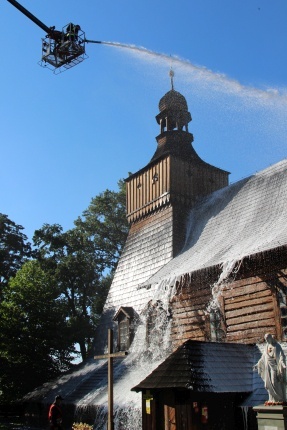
(171, 74)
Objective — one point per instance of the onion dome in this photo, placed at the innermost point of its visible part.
(173, 100)
(173, 110)
(173, 120)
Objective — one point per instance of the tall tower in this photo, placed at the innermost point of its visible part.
(159, 197)
(175, 177)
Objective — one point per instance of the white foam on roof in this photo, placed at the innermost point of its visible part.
(242, 219)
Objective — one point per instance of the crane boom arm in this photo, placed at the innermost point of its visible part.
(29, 15)
(92, 41)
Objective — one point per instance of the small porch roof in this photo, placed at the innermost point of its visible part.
(206, 367)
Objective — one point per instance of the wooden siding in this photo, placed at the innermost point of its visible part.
(148, 190)
(189, 315)
(170, 180)
(191, 180)
(147, 249)
(250, 307)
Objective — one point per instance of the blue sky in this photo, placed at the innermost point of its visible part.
(65, 138)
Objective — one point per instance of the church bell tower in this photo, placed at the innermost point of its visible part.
(175, 176)
(159, 198)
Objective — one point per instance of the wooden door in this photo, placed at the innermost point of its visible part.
(169, 418)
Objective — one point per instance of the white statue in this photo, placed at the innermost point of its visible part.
(272, 369)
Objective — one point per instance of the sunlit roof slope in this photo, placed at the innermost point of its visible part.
(243, 219)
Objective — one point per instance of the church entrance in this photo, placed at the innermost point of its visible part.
(185, 410)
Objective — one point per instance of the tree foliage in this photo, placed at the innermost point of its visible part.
(106, 224)
(14, 249)
(70, 258)
(83, 258)
(34, 335)
(53, 302)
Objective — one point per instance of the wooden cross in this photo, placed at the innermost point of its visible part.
(110, 356)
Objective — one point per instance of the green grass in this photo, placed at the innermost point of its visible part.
(10, 426)
(15, 424)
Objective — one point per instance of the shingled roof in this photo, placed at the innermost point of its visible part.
(205, 367)
(197, 366)
(245, 218)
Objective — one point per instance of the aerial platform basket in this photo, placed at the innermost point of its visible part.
(64, 49)
(61, 50)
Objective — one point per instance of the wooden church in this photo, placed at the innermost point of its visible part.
(201, 279)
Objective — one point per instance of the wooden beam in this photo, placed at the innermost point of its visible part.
(110, 356)
(113, 355)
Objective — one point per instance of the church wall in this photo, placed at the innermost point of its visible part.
(183, 409)
(172, 180)
(148, 247)
(189, 319)
(251, 305)
(179, 228)
(191, 180)
(148, 189)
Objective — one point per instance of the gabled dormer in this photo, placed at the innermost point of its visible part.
(125, 318)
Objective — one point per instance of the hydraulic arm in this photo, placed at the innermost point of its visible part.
(31, 16)
(61, 50)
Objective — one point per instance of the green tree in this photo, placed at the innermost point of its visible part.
(82, 260)
(106, 224)
(70, 258)
(34, 335)
(14, 249)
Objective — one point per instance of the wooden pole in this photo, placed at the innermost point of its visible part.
(110, 356)
(110, 382)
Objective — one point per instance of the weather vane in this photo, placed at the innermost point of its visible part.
(171, 74)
